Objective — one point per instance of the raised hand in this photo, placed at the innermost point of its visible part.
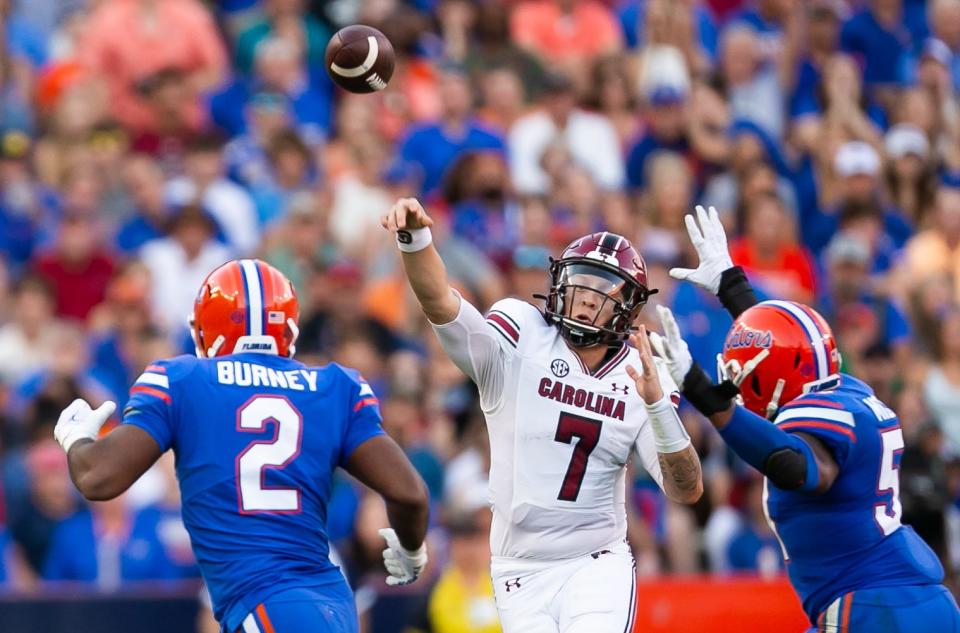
(708, 237)
(407, 214)
(648, 379)
(671, 347)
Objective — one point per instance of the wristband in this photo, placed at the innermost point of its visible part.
(669, 435)
(735, 292)
(414, 240)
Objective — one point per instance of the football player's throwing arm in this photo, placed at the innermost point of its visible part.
(425, 270)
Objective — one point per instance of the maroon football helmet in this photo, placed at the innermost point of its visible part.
(598, 268)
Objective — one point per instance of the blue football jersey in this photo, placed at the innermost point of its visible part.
(256, 439)
(849, 538)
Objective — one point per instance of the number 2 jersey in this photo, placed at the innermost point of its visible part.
(850, 537)
(256, 439)
(560, 437)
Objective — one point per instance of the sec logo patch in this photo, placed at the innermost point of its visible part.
(559, 367)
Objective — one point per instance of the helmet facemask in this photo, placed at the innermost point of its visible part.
(593, 303)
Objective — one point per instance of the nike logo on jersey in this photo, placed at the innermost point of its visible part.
(241, 374)
(566, 394)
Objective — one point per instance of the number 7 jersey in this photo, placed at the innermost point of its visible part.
(849, 538)
(256, 438)
(560, 436)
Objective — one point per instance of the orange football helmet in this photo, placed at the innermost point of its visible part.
(777, 351)
(245, 305)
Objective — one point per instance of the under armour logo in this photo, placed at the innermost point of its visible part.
(512, 583)
(625, 388)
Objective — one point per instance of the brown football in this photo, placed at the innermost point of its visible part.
(360, 59)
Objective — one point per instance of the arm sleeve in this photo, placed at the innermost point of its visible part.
(363, 419)
(151, 403)
(480, 346)
(786, 459)
(735, 292)
(824, 420)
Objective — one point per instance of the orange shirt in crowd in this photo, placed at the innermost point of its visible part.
(790, 274)
(125, 43)
(588, 30)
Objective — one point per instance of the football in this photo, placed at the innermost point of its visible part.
(360, 59)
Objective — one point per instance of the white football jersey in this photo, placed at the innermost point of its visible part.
(560, 436)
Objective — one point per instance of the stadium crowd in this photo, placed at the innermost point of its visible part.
(144, 142)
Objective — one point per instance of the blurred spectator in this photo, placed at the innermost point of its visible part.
(165, 43)
(337, 316)
(943, 17)
(857, 166)
(565, 32)
(286, 20)
(613, 95)
(924, 488)
(108, 545)
(26, 208)
(51, 498)
(754, 547)
(279, 70)
(866, 317)
(360, 198)
(936, 249)
(878, 38)
(77, 268)
(462, 600)
(178, 264)
(502, 98)
(910, 175)
(492, 48)
(291, 170)
(664, 91)
(770, 253)
(145, 187)
(123, 337)
(751, 149)
(27, 340)
(301, 241)
(751, 84)
(204, 183)
(941, 386)
(528, 272)
(690, 26)
(483, 213)
(822, 41)
(436, 146)
(668, 198)
(589, 140)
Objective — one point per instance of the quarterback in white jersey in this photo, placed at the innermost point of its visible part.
(566, 409)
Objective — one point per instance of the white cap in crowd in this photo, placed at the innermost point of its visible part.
(856, 158)
(904, 139)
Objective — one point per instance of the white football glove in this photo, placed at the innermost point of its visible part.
(710, 240)
(403, 565)
(672, 348)
(79, 421)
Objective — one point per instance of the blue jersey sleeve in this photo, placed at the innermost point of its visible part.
(150, 404)
(822, 417)
(363, 420)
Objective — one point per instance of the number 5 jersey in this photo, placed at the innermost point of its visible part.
(560, 435)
